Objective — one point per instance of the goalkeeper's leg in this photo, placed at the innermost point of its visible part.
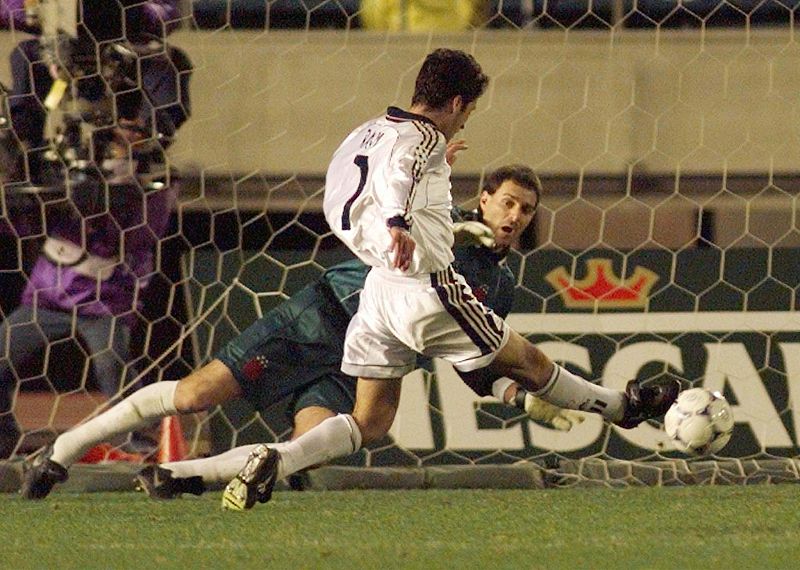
(215, 469)
(211, 385)
(177, 476)
(173, 479)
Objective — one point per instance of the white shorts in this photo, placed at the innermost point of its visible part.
(435, 315)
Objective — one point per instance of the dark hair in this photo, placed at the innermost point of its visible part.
(445, 74)
(520, 174)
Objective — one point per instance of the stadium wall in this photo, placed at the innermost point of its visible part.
(594, 103)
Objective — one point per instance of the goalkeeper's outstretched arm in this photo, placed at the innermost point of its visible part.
(509, 392)
(537, 409)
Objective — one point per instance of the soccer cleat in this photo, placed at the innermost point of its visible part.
(646, 400)
(254, 482)
(158, 483)
(40, 473)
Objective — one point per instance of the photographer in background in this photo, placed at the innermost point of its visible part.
(131, 93)
(126, 81)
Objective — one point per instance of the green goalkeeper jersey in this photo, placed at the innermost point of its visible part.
(300, 343)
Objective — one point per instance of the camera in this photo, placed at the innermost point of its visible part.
(94, 94)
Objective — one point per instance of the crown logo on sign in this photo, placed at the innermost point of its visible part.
(601, 288)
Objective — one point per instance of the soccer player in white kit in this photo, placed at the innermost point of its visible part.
(387, 196)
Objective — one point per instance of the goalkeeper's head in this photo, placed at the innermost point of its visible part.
(507, 204)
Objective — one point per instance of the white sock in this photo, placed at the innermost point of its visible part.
(217, 469)
(139, 409)
(568, 390)
(334, 437)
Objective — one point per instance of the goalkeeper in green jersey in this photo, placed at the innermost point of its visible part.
(295, 351)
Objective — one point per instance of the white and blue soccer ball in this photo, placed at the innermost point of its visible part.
(700, 422)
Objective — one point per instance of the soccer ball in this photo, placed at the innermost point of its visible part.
(699, 422)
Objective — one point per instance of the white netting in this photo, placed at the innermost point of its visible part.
(665, 136)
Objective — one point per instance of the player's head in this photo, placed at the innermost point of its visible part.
(508, 202)
(449, 83)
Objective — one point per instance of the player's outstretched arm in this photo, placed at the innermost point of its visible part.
(513, 394)
(539, 410)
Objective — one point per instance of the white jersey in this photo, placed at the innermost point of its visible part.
(392, 168)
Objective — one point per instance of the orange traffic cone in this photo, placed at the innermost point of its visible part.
(104, 452)
(172, 445)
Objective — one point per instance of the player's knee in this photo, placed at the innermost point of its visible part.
(371, 432)
(189, 398)
(194, 396)
(308, 418)
(210, 386)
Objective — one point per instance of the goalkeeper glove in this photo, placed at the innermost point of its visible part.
(539, 410)
(473, 234)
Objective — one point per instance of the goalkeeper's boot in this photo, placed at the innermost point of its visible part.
(40, 474)
(158, 483)
(255, 481)
(649, 399)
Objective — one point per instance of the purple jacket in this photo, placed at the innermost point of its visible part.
(128, 231)
(158, 15)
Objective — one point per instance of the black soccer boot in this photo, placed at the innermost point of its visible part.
(648, 399)
(158, 483)
(40, 474)
(254, 482)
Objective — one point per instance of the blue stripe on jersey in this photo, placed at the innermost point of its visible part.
(475, 322)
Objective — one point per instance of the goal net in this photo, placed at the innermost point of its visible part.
(665, 136)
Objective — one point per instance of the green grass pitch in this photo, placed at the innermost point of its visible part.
(692, 527)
